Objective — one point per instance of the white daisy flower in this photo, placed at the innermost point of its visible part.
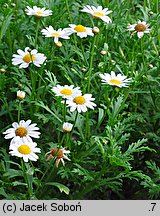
(38, 12)
(21, 130)
(115, 80)
(98, 12)
(25, 58)
(25, 149)
(56, 34)
(21, 94)
(140, 28)
(66, 91)
(59, 154)
(81, 103)
(67, 127)
(81, 30)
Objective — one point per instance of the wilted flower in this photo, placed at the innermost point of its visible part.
(81, 103)
(21, 130)
(66, 91)
(25, 149)
(140, 28)
(38, 12)
(67, 127)
(115, 80)
(59, 154)
(56, 34)
(25, 58)
(81, 30)
(21, 94)
(98, 12)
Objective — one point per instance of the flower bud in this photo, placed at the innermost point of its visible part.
(95, 30)
(103, 52)
(67, 127)
(21, 95)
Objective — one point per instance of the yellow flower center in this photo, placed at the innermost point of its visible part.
(24, 149)
(140, 27)
(55, 34)
(114, 81)
(98, 14)
(28, 58)
(66, 91)
(80, 28)
(39, 13)
(79, 100)
(21, 131)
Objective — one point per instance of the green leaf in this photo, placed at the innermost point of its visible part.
(11, 173)
(60, 186)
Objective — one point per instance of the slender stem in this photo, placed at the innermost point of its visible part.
(19, 111)
(87, 131)
(64, 111)
(26, 178)
(37, 28)
(91, 64)
(75, 121)
(84, 55)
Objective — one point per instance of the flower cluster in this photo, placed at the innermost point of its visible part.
(21, 144)
(74, 98)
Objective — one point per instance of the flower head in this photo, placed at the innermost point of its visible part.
(38, 12)
(66, 91)
(81, 30)
(56, 34)
(59, 154)
(21, 130)
(140, 28)
(25, 149)
(25, 58)
(98, 12)
(115, 80)
(21, 94)
(67, 127)
(81, 103)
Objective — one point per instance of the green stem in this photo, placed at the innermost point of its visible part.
(37, 28)
(87, 131)
(26, 178)
(19, 111)
(91, 64)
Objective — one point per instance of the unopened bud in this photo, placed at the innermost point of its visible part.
(2, 70)
(103, 52)
(67, 127)
(95, 30)
(84, 69)
(21, 95)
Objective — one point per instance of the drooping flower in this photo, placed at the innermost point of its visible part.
(38, 12)
(66, 91)
(21, 94)
(81, 103)
(98, 12)
(56, 34)
(59, 154)
(25, 58)
(81, 30)
(115, 80)
(21, 130)
(25, 149)
(67, 127)
(140, 28)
